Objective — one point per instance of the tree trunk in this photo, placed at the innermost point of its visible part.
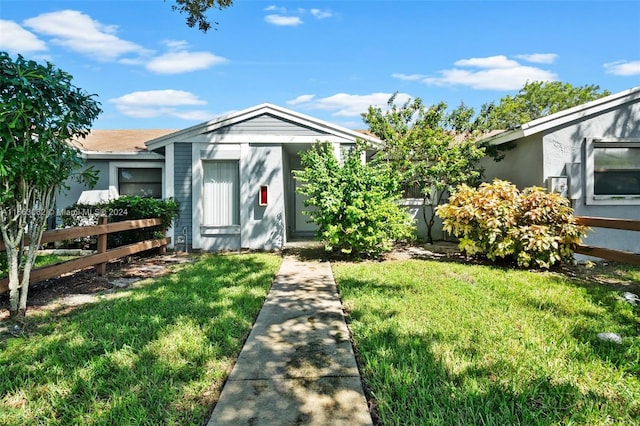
(14, 280)
(428, 223)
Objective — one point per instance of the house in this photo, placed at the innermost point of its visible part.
(232, 176)
(590, 153)
(123, 163)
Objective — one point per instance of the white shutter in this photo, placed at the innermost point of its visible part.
(221, 193)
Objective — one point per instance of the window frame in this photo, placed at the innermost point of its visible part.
(114, 166)
(591, 198)
(236, 219)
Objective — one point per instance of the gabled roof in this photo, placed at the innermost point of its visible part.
(255, 111)
(567, 116)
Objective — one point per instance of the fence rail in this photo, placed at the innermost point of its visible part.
(101, 257)
(605, 253)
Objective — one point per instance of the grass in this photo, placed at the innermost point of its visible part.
(156, 353)
(453, 344)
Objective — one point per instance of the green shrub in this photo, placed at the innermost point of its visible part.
(533, 227)
(353, 204)
(125, 208)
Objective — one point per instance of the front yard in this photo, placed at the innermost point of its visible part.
(155, 353)
(438, 343)
(454, 344)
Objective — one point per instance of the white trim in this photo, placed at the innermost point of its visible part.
(169, 184)
(257, 138)
(115, 165)
(411, 202)
(566, 116)
(206, 230)
(606, 200)
(196, 195)
(138, 155)
(221, 152)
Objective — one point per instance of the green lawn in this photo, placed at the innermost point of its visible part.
(156, 353)
(452, 344)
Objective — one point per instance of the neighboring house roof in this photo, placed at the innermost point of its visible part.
(119, 144)
(217, 123)
(119, 140)
(566, 116)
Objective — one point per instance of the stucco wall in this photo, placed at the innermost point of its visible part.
(415, 209)
(564, 155)
(522, 165)
(262, 227)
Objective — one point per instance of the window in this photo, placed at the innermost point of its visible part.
(144, 182)
(613, 171)
(616, 171)
(221, 193)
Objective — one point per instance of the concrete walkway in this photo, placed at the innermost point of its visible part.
(297, 366)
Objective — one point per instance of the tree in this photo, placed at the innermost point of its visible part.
(353, 204)
(420, 147)
(40, 112)
(535, 100)
(196, 11)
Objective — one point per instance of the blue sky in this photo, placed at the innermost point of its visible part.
(328, 59)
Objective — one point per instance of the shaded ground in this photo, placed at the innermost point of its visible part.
(83, 286)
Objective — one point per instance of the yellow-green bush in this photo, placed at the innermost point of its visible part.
(496, 219)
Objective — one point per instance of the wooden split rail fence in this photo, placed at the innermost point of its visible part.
(102, 256)
(605, 253)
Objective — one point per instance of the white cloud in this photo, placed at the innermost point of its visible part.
(196, 115)
(176, 44)
(539, 58)
(499, 61)
(15, 39)
(274, 8)
(409, 77)
(292, 18)
(493, 72)
(623, 68)
(78, 32)
(181, 62)
(346, 105)
(301, 99)
(280, 20)
(158, 103)
(159, 97)
(321, 14)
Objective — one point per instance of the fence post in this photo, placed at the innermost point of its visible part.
(163, 248)
(102, 246)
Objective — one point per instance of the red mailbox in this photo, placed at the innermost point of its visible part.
(264, 192)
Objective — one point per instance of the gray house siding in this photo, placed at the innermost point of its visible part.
(183, 190)
(267, 124)
(66, 198)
